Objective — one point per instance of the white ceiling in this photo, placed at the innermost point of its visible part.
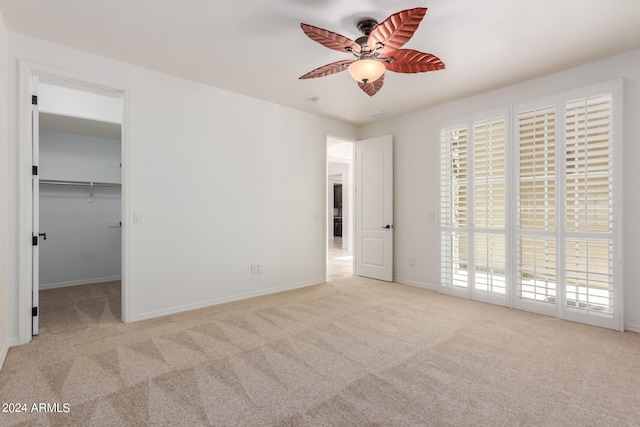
(339, 151)
(256, 47)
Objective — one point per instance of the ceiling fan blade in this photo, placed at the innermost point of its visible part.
(330, 39)
(325, 70)
(412, 61)
(397, 29)
(371, 88)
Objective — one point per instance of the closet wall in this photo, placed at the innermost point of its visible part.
(81, 220)
(80, 195)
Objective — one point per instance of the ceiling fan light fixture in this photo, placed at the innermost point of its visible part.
(366, 70)
(379, 49)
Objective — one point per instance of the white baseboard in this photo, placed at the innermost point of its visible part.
(79, 282)
(218, 301)
(628, 327)
(632, 327)
(416, 284)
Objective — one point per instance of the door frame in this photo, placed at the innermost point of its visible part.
(351, 203)
(353, 207)
(26, 71)
(35, 208)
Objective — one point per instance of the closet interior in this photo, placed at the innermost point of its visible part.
(80, 206)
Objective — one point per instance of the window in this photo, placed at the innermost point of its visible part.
(589, 204)
(453, 202)
(473, 207)
(536, 204)
(556, 251)
(489, 207)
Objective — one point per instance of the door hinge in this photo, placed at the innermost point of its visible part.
(34, 99)
(34, 170)
(34, 311)
(34, 240)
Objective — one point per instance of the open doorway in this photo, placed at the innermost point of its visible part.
(77, 203)
(339, 208)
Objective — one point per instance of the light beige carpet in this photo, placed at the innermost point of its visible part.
(354, 352)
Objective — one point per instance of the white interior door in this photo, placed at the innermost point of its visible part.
(35, 275)
(374, 208)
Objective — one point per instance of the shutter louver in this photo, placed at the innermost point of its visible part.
(489, 174)
(537, 269)
(589, 174)
(454, 177)
(537, 168)
(490, 263)
(589, 275)
(453, 266)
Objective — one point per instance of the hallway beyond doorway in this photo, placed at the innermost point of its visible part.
(339, 261)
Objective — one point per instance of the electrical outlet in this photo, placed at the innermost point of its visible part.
(412, 261)
(260, 268)
(254, 269)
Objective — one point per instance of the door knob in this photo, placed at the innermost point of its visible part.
(387, 226)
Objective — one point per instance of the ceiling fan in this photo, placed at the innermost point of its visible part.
(377, 50)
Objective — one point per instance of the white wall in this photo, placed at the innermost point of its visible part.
(74, 157)
(416, 169)
(220, 181)
(83, 243)
(4, 208)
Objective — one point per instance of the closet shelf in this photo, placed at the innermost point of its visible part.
(80, 183)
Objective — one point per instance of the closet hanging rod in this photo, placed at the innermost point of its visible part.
(80, 183)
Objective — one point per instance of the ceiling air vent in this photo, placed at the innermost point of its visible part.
(381, 115)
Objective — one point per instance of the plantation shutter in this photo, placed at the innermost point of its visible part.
(489, 200)
(454, 187)
(489, 174)
(589, 204)
(536, 205)
(589, 174)
(529, 206)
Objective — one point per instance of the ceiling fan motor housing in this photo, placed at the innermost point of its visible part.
(366, 25)
(364, 47)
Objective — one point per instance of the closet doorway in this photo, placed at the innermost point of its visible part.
(77, 206)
